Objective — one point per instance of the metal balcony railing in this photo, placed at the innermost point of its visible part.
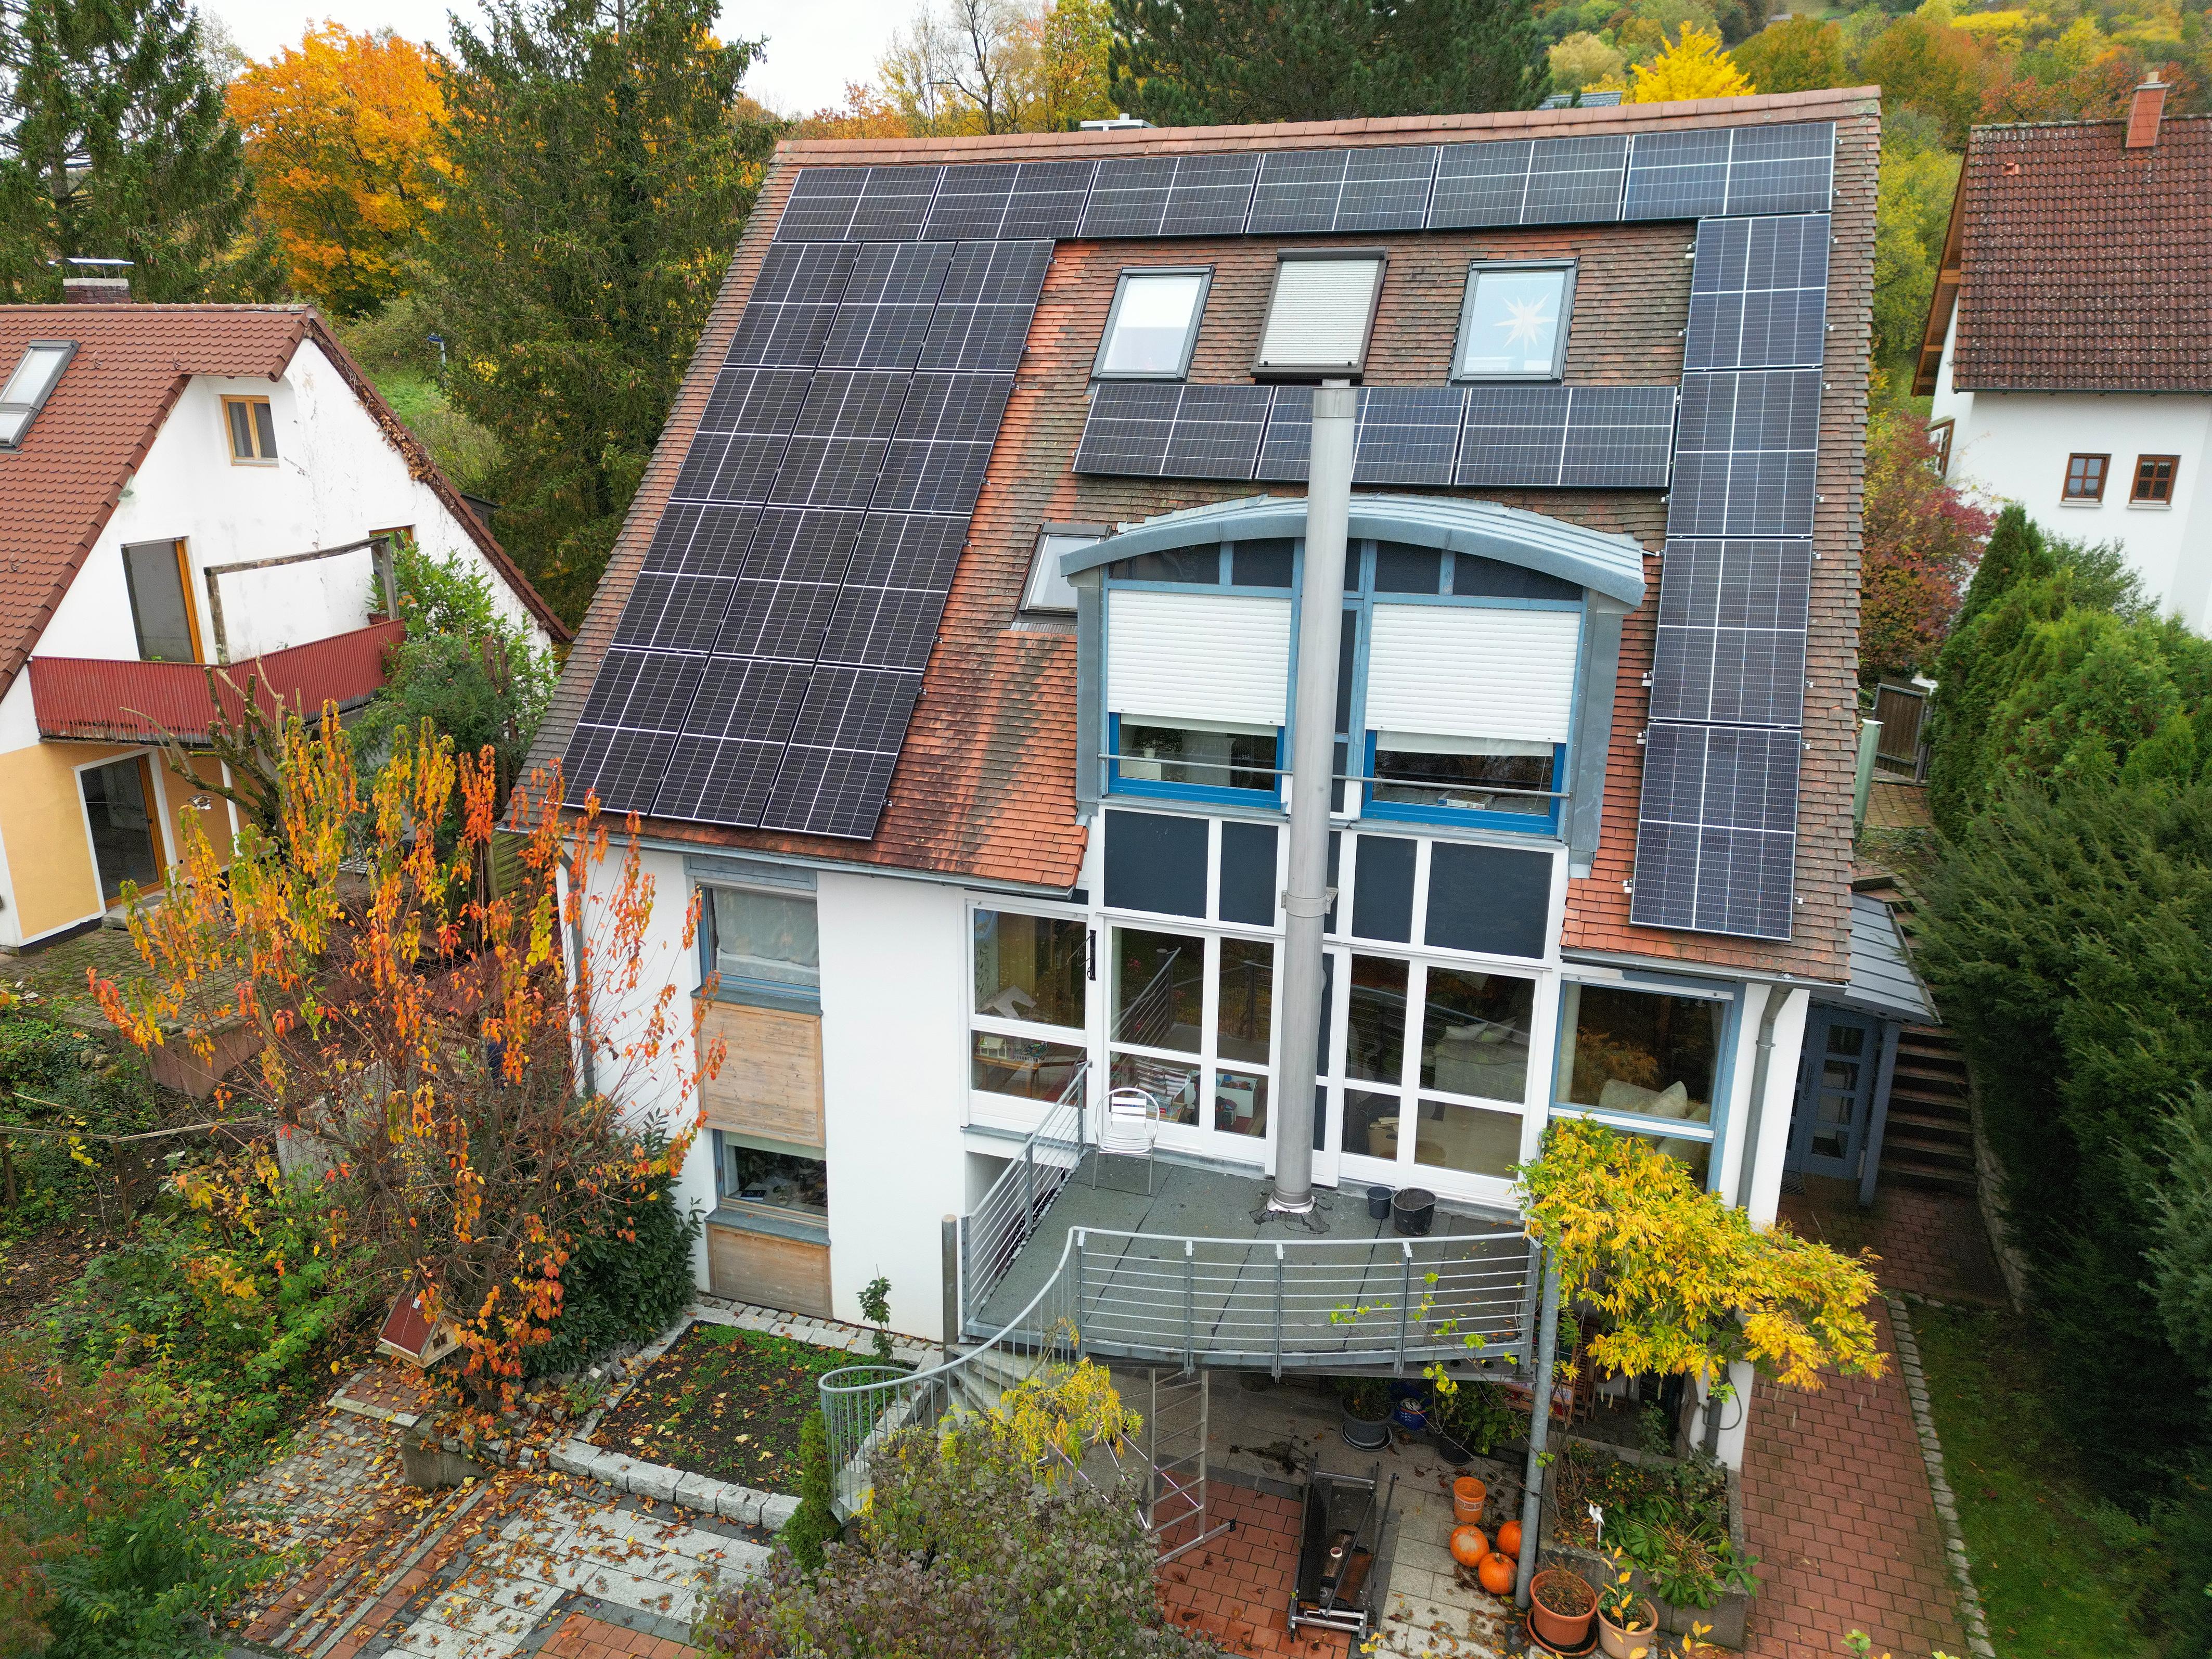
(992, 1235)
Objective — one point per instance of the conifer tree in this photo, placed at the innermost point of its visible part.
(602, 167)
(114, 144)
(1198, 63)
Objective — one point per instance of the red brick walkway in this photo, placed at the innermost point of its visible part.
(581, 1636)
(1835, 1494)
(1236, 1590)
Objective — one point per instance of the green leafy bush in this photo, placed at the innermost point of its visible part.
(814, 1523)
(625, 1282)
(98, 1091)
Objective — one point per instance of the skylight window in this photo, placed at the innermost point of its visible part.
(28, 388)
(1514, 324)
(1153, 326)
(1323, 311)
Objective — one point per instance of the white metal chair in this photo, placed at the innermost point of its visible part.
(1128, 1127)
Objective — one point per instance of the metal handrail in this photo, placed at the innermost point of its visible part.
(1336, 1304)
(1009, 1213)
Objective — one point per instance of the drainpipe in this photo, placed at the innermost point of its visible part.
(1763, 1055)
(1313, 750)
(1862, 784)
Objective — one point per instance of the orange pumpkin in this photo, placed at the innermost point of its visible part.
(1468, 1546)
(1496, 1573)
(1509, 1540)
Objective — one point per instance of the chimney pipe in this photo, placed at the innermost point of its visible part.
(96, 282)
(2144, 112)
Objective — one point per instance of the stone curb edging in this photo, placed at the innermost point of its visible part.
(744, 1506)
(1931, 1454)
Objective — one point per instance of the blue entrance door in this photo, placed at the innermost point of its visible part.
(1835, 1090)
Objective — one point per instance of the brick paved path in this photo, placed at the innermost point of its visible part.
(1835, 1499)
(1236, 1589)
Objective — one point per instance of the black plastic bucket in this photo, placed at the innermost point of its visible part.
(1378, 1203)
(1413, 1211)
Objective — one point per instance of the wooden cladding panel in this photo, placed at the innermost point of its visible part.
(770, 1083)
(770, 1271)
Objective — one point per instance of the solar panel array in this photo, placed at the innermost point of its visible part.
(766, 664)
(768, 660)
(1716, 831)
(1554, 437)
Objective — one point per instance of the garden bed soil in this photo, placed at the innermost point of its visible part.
(725, 1403)
(36, 1269)
(1569, 1541)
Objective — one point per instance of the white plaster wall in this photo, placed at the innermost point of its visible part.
(894, 1034)
(2012, 447)
(337, 479)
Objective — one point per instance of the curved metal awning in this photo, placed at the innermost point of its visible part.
(1596, 559)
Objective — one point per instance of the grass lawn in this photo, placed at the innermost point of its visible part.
(726, 1403)
(2059, 1570)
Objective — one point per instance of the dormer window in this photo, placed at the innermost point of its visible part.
(1153, 326)
(1321, 315)
(253, 431)
(29, 387)
(1513, 325)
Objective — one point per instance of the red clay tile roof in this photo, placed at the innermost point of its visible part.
(2086, 266)
(985, 786)
(131, 364)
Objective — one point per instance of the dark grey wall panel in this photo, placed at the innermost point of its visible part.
(1248, 873)
(1489, 898)
(1156, 861)
(1383, 889)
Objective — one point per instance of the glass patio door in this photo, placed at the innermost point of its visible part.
(1834, 1092)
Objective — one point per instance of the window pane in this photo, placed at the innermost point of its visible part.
(1028, 1066)
(775, 1180)
(1478, 775)
(1641, 1052)
(241, 431)
(157, 602)
(1216, 759)
(1513, 323)
(1371, 1124)
(1158, 988)
(34, 375)
(1247, 999)
(1153, 324)
(264, 429)
(1047, 589)
(1174, 1085)
(1173, 564)
(1698, 1154)
(1261, 564)
(1030, 968)
(766, 937)
(1401, 569)
(1474, 1034)
(1374, 1042)
(1468, 1138)
(1240, 1105)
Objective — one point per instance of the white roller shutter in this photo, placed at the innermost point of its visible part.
(1319, 314)
(1473, 672)
(1216, 657)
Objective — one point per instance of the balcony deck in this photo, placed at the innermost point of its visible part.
(1188, 1272)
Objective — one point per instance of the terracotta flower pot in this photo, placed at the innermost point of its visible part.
(1619, 1641)
(1563, 1631)
(1468, 1496)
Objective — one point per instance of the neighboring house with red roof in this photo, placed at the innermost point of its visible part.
(946, 658)
(2068, 344)
(182, 486)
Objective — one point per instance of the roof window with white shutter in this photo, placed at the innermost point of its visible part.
(30, 386)
(1321, 315)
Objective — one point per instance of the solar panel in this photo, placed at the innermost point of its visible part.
(843, 749)
(1745, 454)
(1581, 437)
(1514, 434)
(701, 541)
(942, 444)
(858, 204)
(793, 303)
(821, 204)
(782, 600)
(1171, 196)
(1677, 175)
(1574, 181)
(1782, 169)
(1480, 185)
(837, 447)
(1759, 294)
(719, 770)
(888, 300)
(894, 588)
(742, 435)
(1154, 429)
(983, 311)
(1731, 632)
(1342, 190)
(1006, 200)
(1407, 435)
(629, 726)
(1716, 843)
(1286, 450)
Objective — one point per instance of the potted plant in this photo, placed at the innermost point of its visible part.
(1363, 1407)
(1561, 1605)
(1626, 1619)
(1468, 1422)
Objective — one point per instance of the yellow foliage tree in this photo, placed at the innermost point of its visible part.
(342, 137)
(1686, 1284)
(1691, 66)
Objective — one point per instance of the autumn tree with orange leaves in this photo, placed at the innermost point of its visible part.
(342, 137)
(417, 1027)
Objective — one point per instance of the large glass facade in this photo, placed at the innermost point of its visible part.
(1027, 1015)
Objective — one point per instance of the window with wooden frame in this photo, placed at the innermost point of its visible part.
(253, 431)
(1939, 435)
(159, 575)
(2153, 485)
(2084, 477)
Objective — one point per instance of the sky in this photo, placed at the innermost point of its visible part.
(814, 46)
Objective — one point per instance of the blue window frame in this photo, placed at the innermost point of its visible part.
(1507, 783)
(1247, 761)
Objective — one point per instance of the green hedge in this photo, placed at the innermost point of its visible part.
(617, 1290)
